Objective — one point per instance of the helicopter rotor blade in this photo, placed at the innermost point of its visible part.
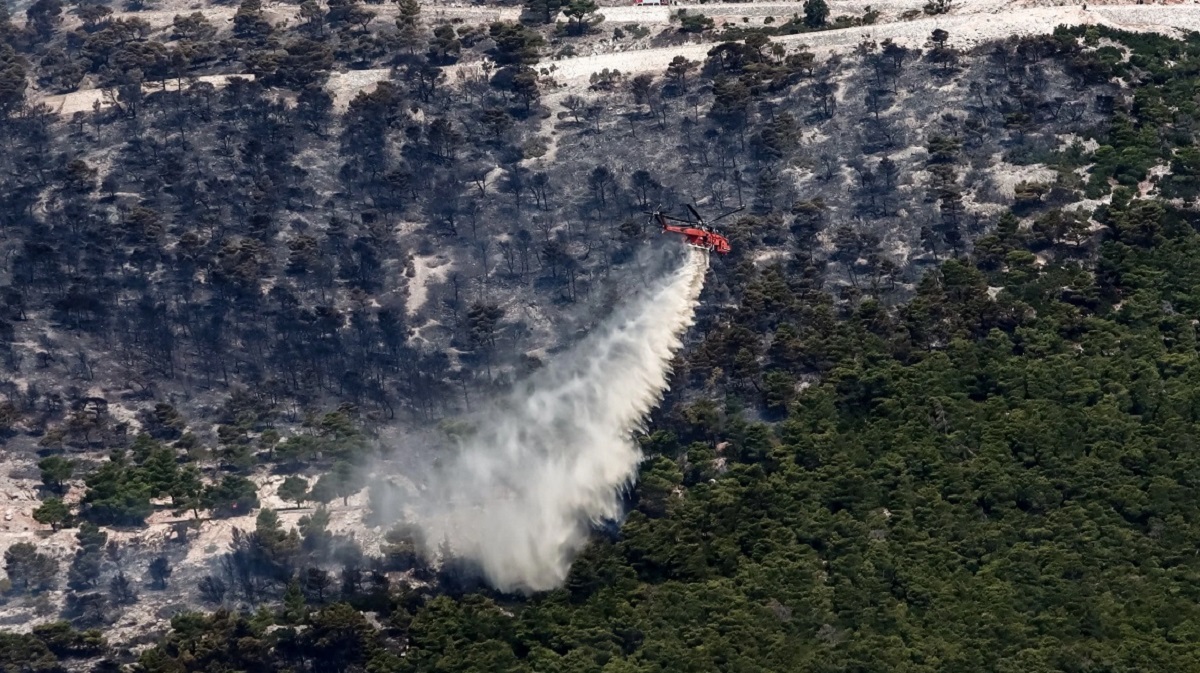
(736, 210)
(699, 220)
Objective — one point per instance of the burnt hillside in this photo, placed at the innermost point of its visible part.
(436, 234)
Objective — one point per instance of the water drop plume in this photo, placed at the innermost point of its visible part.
(540, 467)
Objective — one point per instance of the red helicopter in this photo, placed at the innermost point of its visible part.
(697, 232)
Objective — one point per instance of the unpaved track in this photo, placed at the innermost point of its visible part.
(966, 30)
(434, 12)
(969, 25)
(68, 104)
(780, 11)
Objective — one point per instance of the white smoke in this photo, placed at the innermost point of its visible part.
(554, 457)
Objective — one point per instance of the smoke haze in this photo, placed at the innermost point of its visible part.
(548, 461)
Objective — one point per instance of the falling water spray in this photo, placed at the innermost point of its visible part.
(543, 465)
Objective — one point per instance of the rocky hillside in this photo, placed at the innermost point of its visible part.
(241, 242)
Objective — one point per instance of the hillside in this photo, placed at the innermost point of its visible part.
(263, 262)
(421, 202)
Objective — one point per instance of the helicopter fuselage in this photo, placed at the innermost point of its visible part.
(698, 237)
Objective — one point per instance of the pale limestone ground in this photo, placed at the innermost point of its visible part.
(85, 99)
(432, 268)
(1005, 176)
(969, 25)
(967, 29)
(206, 539)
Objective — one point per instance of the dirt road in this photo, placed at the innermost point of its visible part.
(967, 28)
(969, 24)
